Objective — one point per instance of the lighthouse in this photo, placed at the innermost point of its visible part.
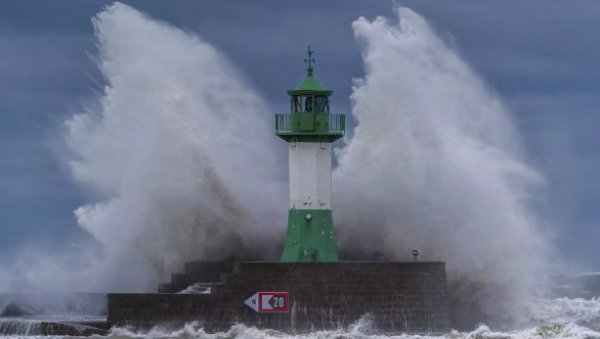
(399, 297)
(309, 130)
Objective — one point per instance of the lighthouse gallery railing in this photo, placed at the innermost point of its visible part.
(336, 124)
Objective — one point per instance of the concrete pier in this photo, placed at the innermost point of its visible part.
(395, 296)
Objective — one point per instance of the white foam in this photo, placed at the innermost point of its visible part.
(565, 310)
(361, 330)
(197, 288)
(435, 164)
(178, 157)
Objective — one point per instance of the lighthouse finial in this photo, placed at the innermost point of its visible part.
(309, 61)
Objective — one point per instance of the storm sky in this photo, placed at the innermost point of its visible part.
(541, 57)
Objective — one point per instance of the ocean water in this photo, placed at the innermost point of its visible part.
(547, 318)
(569, 329)
(543, 318)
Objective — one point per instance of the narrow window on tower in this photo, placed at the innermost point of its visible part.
(321, 104)
(295, 101)
(309, 105)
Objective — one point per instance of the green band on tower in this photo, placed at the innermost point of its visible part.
(309, 130)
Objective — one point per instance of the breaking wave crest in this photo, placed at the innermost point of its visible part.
(435, 164)
(181, 152)
(177, 156)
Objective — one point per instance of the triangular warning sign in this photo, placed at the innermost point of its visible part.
(252, 302)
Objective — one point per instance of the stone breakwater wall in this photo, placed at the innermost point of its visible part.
(394, 296)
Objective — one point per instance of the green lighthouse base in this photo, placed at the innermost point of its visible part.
(310, 237)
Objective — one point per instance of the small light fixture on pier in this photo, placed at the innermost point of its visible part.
(415, 254)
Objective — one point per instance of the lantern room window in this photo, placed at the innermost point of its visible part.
(319, 103)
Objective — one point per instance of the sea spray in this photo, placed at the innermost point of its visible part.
(435, 164)
(178, 158)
